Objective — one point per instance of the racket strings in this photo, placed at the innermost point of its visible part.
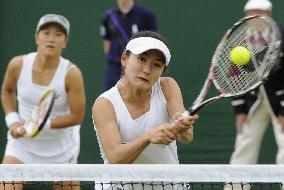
(40, 113)
(262, 38)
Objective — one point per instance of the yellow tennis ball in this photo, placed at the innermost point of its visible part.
(240, 55)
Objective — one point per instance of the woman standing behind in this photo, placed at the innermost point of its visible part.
(142, 114)
(29, 76)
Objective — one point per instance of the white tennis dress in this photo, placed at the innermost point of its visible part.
(51, 145)
(132, 128)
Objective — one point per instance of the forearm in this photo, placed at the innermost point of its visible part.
(66, 121)
(127, 153)
(9, 101)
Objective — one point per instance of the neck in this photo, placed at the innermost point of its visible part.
(45, 62)
(125, 5)
(127, 91)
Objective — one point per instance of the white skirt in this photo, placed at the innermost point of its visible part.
(29, 157)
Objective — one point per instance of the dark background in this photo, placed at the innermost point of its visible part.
(193, 29)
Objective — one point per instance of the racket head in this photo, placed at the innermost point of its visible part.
(261, 36)
(40, 113)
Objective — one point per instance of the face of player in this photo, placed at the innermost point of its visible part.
(260, 12)
(143, 70)
(51, 40)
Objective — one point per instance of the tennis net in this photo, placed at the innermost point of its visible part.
(126, 177)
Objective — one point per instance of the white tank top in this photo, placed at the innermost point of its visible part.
(130, 129)
(50, 142)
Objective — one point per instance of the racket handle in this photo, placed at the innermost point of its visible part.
(190, 112)
(185, 113)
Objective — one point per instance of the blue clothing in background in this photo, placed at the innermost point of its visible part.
(118, 28)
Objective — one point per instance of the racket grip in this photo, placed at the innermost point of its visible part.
(185, 113)
(189, 111)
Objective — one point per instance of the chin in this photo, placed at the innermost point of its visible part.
(51, 54)
(144, 86)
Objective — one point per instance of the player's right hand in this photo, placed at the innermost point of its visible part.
(17, 130)
(163, 134)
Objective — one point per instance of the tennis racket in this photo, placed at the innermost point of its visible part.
(261, 36)
(40, 114)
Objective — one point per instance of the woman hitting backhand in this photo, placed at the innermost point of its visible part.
(140, 119)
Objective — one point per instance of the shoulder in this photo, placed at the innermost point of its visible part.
(169, 86)
(103, 108)
(143, 9)
(109, 11)
(73, 70)
(167, 82)
(17, 60)
(16, 63)
(74, 76)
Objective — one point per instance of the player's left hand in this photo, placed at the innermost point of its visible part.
(17, 130)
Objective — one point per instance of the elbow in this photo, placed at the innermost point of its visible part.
(117, 160)
(78, 117)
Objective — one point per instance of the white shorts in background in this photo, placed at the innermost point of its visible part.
(30, 158)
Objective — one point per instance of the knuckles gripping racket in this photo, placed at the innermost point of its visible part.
(40, 114)
(261, 36)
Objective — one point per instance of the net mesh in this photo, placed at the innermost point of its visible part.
(262, 38)
(157, 177)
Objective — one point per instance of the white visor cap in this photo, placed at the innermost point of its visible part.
(54, 18)
(263, 5)
(142, 44)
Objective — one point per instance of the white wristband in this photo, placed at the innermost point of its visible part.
(11, 118)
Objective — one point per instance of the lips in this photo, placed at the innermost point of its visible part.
(143, 79)
(50, 46)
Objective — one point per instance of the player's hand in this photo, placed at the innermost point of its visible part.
(17, 130)
(241, 119)
(183, 123)
(163, 134)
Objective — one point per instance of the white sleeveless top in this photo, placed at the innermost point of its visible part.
(131, 129)
(50, 142)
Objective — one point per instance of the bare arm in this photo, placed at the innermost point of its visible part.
(175, 107)
(9, 85)
(76, 100)
(241, 119)
(106, 44)
(109, 135)
(8, 94)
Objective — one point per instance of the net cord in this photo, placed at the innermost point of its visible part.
(124, 172)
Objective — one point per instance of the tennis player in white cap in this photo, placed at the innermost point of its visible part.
(257, 109)
(27, 77)
(139, 119)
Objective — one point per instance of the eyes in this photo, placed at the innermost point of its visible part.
(156, 63)
(56, 33)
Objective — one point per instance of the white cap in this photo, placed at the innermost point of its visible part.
(263, 5)
(142, 44)
(53, 18)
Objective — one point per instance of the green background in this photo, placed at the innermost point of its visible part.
(193, 29)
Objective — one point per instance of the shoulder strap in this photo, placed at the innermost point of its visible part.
(119, 33)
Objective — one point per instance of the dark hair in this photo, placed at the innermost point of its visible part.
(152, 34)
(148, 33)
